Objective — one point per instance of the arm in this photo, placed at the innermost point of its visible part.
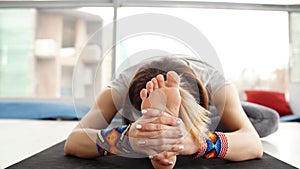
(81, 141)
(165, 128)
(243, 141)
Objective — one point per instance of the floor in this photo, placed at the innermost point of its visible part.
(284, 144)
(21, 139)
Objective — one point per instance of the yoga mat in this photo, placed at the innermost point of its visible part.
(54, 158)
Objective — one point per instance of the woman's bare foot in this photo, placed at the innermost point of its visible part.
(163, 95)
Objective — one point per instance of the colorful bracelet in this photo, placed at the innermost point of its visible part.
(216, 146)
(113, 141)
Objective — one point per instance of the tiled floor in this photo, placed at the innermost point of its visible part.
(32, 136)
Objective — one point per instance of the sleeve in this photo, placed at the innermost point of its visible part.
(211, 78)
(215, 80)
(120, 82)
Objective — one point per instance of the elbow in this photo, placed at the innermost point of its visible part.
(256, 150)
(77, 144)
(67, 147)
(259, 151)
(256, 154)
(69, 144)
(260, 154)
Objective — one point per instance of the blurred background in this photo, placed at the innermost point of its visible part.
(257, 43)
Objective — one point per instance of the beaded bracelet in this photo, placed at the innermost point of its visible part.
(113, 141)
(216, 146)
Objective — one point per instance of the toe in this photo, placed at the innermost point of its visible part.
(160, 80)
(149, 87)
(173, 79)
(143, 94)
(155, 83)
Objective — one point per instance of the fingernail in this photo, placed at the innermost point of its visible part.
(181, 147)
(170, 162)
(144, 111)
(138, 126)
(141, 142)
(150, 157)
(179, 121)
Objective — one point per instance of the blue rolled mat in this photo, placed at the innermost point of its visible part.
(290, 118)
(41, 110)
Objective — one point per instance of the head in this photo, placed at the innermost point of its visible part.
(189, 82)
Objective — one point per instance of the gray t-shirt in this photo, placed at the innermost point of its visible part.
(211, 78)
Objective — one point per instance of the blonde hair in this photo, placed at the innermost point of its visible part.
(194, 116)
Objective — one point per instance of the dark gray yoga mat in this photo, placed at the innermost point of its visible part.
(54, 158)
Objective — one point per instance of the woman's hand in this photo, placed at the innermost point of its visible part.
(185, 146)
(161, 136)
(155, 132)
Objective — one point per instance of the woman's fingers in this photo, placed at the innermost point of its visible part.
(170, 145)
(160, 117)
(151, 112)
(162, 143)
(163, 157)
(148, 134)
(168, 133)
(156, 131)
(151, 147)
(165, 120)
(172, 121)
(152, 127)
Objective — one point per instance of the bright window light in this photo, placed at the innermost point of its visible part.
(250, 44)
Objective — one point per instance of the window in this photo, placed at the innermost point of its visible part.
(295, 47)
(39, 49)
(252, 46)
(17, 33)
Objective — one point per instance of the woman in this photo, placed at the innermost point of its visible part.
(147, 131)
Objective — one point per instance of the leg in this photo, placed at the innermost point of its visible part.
(264, 120)
(163, 95)
(167, 96)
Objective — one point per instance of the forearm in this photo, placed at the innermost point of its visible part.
(234, 146)
(90, 143)
(243, 141)
(81, 143)
(243, 145)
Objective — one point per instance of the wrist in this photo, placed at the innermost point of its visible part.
(201, 149)
(216, 145)
(113, 141)
(132, 138)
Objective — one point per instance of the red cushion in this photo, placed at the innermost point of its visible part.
(271, 99)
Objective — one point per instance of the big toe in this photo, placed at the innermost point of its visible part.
(173, 79)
